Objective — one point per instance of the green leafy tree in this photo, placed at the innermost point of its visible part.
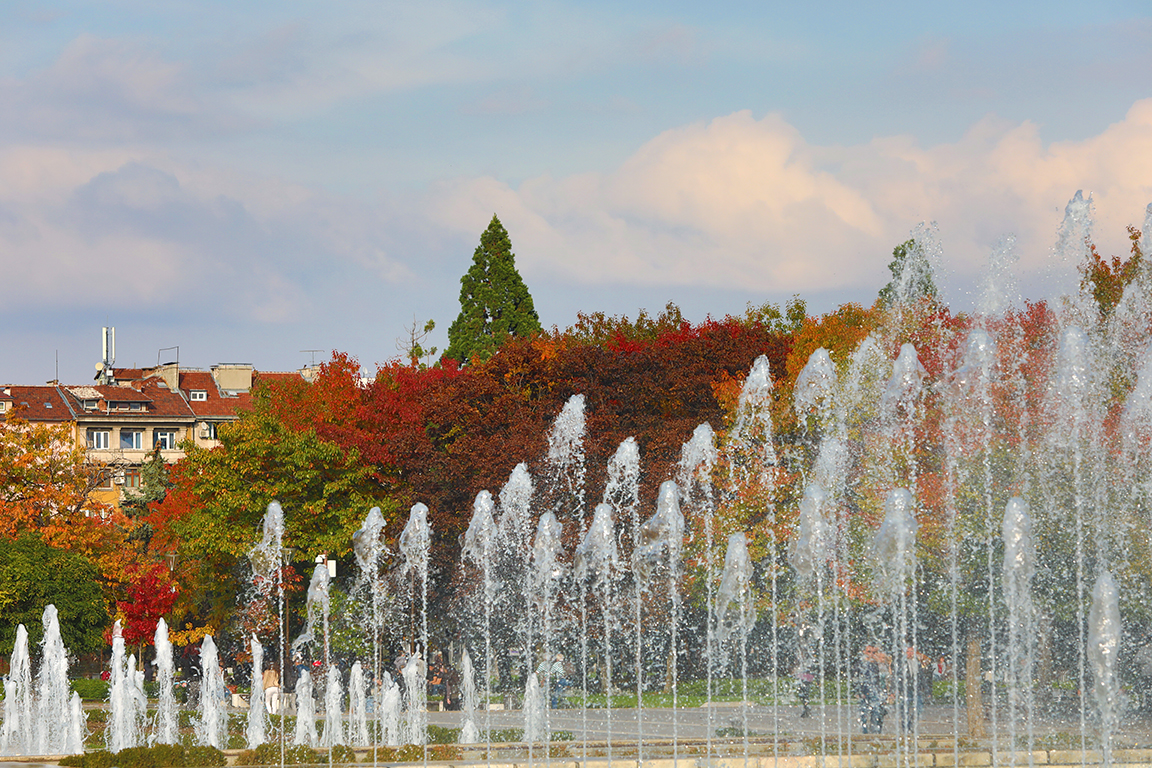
(34, 575)
(154, 487)
(911, 276)
(212, 516)
(494, 301)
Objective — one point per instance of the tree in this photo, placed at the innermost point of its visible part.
(44, 487)
(494, 301)
(150, 596)
(1106, 280)
(911, 276)
(211, 519)
(34, 575)
(154, 487)
(413, 346)
(43, 477)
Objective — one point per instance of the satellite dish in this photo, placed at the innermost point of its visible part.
(99, 366)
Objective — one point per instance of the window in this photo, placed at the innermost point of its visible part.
(165, 439)
(198, 394)
(131, 478)
(208, 430)
(98, 439)
(3, 406)
(135, 406)
(104, 478)
(131, 439)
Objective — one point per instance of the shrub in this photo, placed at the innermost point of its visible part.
(97, 759)
(203, 757)
(269, 754)
(341, 753)
(409, 753)
(169, 755)
(439, 734)
(445, 752)
(159, 756)
(90, 690)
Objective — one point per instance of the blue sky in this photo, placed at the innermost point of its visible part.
(248, 180)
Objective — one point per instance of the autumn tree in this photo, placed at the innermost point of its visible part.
(1106, 279)
(212, 517)
(150, 595)
(44, 491)
(494, 301)
(44, 481)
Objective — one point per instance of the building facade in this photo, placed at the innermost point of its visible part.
(131, 413)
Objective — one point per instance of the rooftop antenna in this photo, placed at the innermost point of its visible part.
(163, 349)
(104, 369)
(313, 351)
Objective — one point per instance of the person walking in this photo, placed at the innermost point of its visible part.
(804, 681)
(271, 681)
(552, 677)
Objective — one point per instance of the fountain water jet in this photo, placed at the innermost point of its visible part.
(212, 726)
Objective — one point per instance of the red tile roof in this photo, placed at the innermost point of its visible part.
(218, 404)
(157, 400)
(36, 403)
(127, 374)
(165, 402)
(122, 394)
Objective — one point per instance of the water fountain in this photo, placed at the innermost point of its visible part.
(974, 490)
(19, 728)
(255, 732)
(415, 542)
(126, 700)
(167, 719)
(358, 706)
(40, 716)
(212, 725)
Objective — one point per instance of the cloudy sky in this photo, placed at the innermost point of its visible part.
(245, 181)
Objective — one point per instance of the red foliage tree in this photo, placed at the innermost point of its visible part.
(151, 593)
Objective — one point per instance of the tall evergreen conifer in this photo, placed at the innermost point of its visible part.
(494, 301)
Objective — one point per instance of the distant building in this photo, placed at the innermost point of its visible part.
(130, 412)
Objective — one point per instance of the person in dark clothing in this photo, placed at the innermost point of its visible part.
(873, 690)
(451, 688)
(804, 681)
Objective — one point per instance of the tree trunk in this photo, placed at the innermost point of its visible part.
(973, 685)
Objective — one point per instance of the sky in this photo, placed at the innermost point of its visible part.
(266, 182)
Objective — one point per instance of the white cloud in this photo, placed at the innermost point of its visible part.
(100, 230)
(746, 203)
(101, 90)
(738, 204)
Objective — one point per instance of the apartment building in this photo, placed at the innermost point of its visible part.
(129, 413)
